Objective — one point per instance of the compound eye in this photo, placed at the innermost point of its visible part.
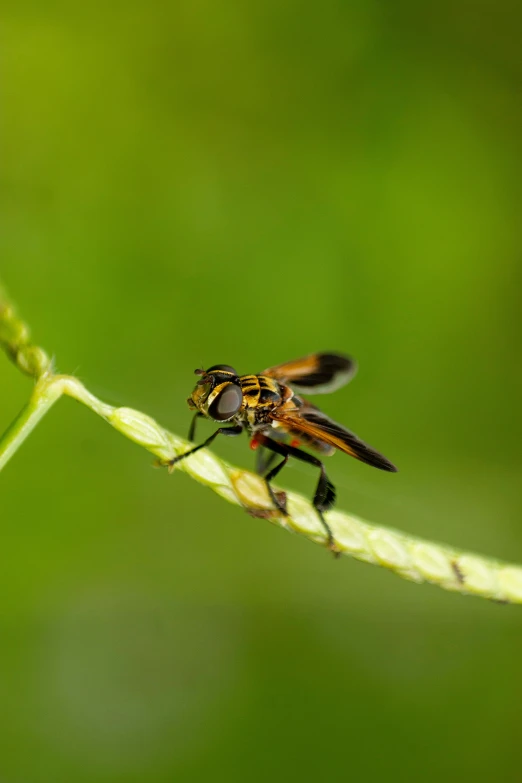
(222, 368)
(227, 403)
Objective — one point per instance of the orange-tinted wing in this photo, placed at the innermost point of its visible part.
(316, 428)
(317, 373)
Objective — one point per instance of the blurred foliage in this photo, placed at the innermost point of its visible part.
(194, 183)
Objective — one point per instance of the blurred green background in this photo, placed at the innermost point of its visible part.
(197, 183)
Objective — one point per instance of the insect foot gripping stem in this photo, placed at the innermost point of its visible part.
(270, 513)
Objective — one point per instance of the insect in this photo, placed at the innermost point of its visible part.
(269, 406)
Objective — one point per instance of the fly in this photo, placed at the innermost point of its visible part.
(270, 408)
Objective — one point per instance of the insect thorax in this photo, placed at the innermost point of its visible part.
(260, 391)
(261, 395)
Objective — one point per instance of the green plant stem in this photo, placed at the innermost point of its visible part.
(24, 424)
(47, 391)
(410, 558)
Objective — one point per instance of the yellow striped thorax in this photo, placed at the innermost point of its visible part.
(260, 391)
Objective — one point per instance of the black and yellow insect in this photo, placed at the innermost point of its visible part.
(269, 407)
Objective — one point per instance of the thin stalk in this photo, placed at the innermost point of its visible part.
(411, 558)
(25, 423)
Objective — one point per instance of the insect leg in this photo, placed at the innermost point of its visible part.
(192, 430)
(278, 503)
(234, 430)
(263, 461)
(324, 497)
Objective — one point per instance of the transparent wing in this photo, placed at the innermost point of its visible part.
(319, 431)
(318, 373)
